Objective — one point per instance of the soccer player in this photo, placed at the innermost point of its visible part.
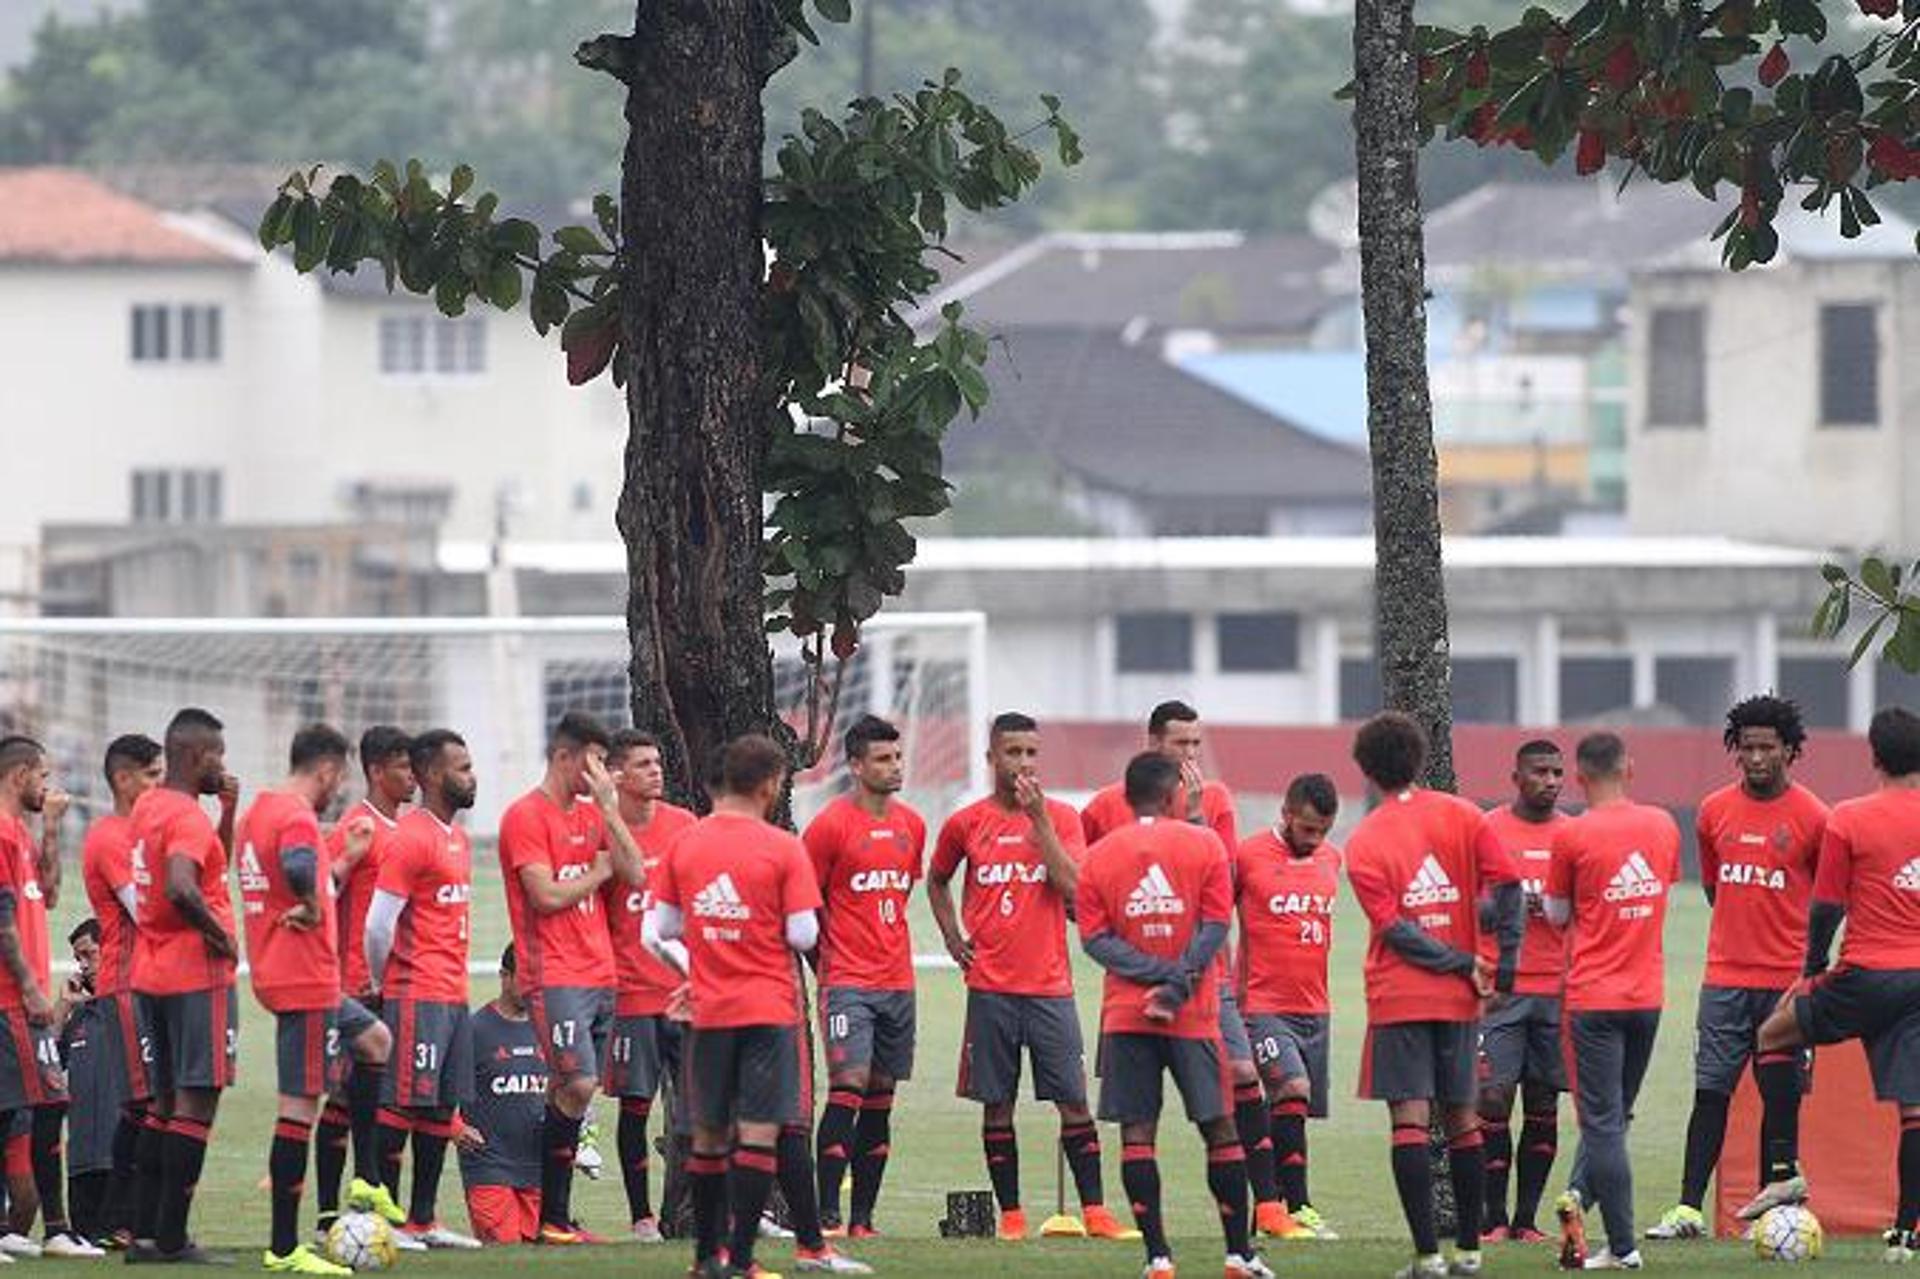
(385, 766)
(1520, 1034)
(132, 768)
(292, 938)
(183, 966)
(1022, 853)
(866, 848)
(500, 1135)
(416, 941)
(645, 1043)
(1607, 884)
(1285, 883)
(1154, 902)
(1869, 879)
(1417, 864)
(742, 894)
(1759, 847)
(556, 854)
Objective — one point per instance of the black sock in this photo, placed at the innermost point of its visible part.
(794, 1159)
(1539, 1144)
(287, 1177)
(1289, 1127)
(184, 1153)
(329, 1160)
(1140, 1178)
(1706, 1133)
(1227, 1179)
(49, 1175)
(393, 1130)
(1498, 1138)
(1467, 1165)
(1778, 1074)
(1413, 1178)
(559, 1142)
(150, 1161)
(872, 1144)
(632, 1145)
(708, 1175)
(87, 1204)
(834, 1147)
(122, 1187)
(1003, 1165)
(431, 1133)
(1909, 1211)
(748, 1183)
(363, 1118)
(1256, 1138)
(1081, 1144)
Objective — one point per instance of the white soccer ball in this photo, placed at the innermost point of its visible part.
(361, 1241)
(1789, 1232)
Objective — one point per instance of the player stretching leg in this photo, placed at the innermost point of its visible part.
(1417, 863)
(1759, 846)
(1607, 884)
(1022, 853)
(1285, 882)
(416, 943)
(1154, 902)
(1869, 878)
(1520, 1036)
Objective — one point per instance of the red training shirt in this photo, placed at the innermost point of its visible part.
(1760, 855)
(1616, 864)
(1015, 918)
(356, 894)
(866, 867)
(294, 970)
(645, 985)
(735, 879)
(1152, 885)
(20, 872)
(170, 957)
(1870, 864)
(431, 865)
(1542, 969)
(1286, 924)
(568, 947)
(106, 867)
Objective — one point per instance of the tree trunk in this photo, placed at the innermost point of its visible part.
(697, 408)
(1410, 601)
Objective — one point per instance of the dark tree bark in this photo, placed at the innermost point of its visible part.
(697, 407)
(1410, 601)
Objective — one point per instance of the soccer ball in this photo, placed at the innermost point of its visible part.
(1789, 1232)
(361, 1241)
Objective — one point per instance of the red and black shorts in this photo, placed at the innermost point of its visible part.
(1421, 1061)
(432, 1063)
(126, 1042)
(1131, 1069)
(747, 1074)
(30, 1069)
(196, 1038)
(307, 1046)
(1881, 1008)
(571, 1024)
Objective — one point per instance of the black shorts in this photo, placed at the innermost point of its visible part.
(1421, 1061)
(1293, 1046)
(432, 1063)
(999, 1026)
(1726, 1033)
(96, 1089)
(30, 1069)
(307, 1046)
(744, 1074)
(196, 1038)
(637, 1052)
(571, 1024)
(1131, 1067)
(1609, 1052)
(1520, 1042)
(870, 1028)
(1881, 1008)
(1233, 1029)
(125, 1043)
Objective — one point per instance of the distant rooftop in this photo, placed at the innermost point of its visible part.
(64, 216)
(1566, 228)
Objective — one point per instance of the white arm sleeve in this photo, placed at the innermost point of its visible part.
(1558, 910)
(382, 914)
(671, 953)
(803, 930)
(129, 900)
(667, 922)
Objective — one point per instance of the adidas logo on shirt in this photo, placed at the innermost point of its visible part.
(720, 900)
(1633, 880)
(1909, 877)
(1154, 895)
(1430, 886)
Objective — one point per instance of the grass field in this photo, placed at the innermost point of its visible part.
(936, 1150)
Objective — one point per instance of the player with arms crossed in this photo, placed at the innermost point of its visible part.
(1869, 879)
(866, 849)
(1520, 1034)
(1285, 883)
(1417, 863)
(1022, 853)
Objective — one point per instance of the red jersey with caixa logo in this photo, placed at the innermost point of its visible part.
(20, 875)
(1870, 863)
(294, 970)
(431, 865)
(356, 892)
(1616, 864)
(1152, 885)
(568, 947)
(1760, 856)
(866, 867)
(1286, 924)
(1016, 920)
(1542, 968)
(645, 984)
(106, 867)
(735, 879)
(1423, 856)
(170, 956)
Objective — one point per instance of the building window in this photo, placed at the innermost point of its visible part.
(1818, 685)
(1594, 687)
(152, 497)
(1258, 643)
(149, 333)
(200, 333)
(185, 334)
(1486, 690)
(419, 344)
(1677, 367)
(1849, 365)
(1153, 643)
(178, 497)
(1700, 688)
(1359, 687)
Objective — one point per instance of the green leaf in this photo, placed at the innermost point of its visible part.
(1903, 648)
(607, 213)
(577, 239)
(1861, 645)
(461, 182)
(503, 285)
(270, 222)
(835, 10)
(1834, 574)
(519, 236)
(1875, 576)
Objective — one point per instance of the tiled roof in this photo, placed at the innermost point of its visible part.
(59, 215)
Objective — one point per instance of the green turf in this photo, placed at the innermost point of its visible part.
(936, 1150)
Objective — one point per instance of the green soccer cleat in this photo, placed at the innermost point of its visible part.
(365, 1196)
(301, 1261)
(1310, 1217)
(1679, 1222)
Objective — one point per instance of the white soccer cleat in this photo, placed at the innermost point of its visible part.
(17, 1245)
(771, 1229)
(1901, 1246)
(829, 1262)
(647, 1231)
(1251, 1266)
(1604, 1259)
(70, 1246)
(1466, 1263)
(438, 1236)
(1788, 1190)
(406, 1241)
(1431, 1266)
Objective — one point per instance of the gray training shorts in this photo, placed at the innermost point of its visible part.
(1520, 1041)
(1293, 1045)
(872, 1028)
(999, 1026)
(1132, 1068)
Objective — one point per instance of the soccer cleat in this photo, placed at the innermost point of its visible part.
(1309, 1216)
(1679, 1222)
(752, 1270)
(1466, 1263)
(1102, 1224)
(553, 1236)
(862, 1230)
(1432, 1266)
(1274, 1221)
(827, 1261)
(1604, 1259)
(587, 1158)
(832, 1227)
(70, 1246)
(1901, 1246)
(301, 1261)
(647, 1230)
(435, 1235)
(1572, 1213)
(1158, 1268)
(1787, 1190)
(191, 1255)
(1496, 1234)
(1013, 1224)
(368, 1196)
(18, 1245)
(1249, 1266)
(772, 1229)
(1525, 1234)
